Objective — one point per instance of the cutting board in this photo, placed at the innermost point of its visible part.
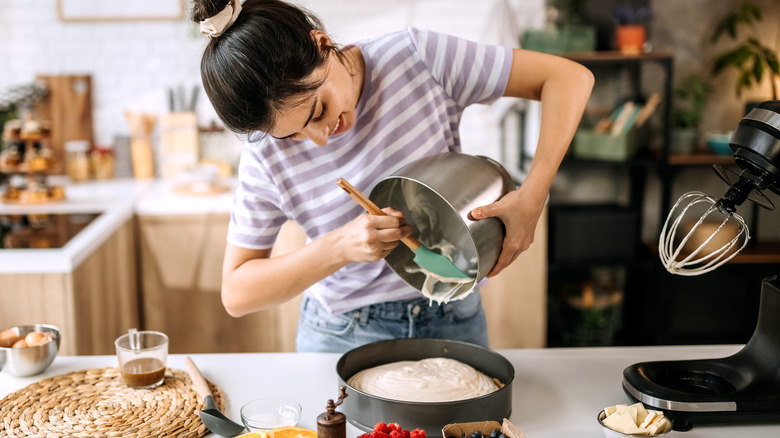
(68, 107)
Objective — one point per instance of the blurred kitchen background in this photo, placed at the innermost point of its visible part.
(106, 77)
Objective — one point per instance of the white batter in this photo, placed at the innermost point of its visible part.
(435, 287)
(443, 289)
(429, 380)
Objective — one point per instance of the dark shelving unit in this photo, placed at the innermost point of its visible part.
(594, 248)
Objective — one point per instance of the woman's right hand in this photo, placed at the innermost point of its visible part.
(369, 238)
(252, 280)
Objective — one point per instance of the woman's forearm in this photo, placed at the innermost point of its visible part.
(253, 281)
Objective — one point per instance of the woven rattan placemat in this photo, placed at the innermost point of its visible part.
(96, 403)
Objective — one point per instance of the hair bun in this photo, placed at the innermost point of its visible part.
(204, 9)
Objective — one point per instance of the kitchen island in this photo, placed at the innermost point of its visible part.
(557, 393)
(153, 249)
(84, 283)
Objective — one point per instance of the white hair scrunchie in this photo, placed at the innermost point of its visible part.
(218, 24)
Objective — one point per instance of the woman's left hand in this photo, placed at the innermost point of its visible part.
(520, 212)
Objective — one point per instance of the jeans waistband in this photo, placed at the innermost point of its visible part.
(417, 308)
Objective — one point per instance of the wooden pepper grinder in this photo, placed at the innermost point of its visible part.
(332, 424)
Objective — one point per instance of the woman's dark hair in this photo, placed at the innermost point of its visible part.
(260, 62)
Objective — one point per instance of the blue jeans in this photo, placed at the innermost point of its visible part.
(319, 331)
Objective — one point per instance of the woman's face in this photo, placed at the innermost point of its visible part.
(329, 110)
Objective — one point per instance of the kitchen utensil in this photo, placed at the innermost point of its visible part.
(742, 387)
(756, 147)
(364, 410)
(141, 126)
(423, 257)
(436, 195)
(212, 418)
(714, 238)
(29, 361)
(269, 413)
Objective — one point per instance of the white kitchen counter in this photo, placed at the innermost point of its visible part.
(117, 201)
(114, 199)
(557, 393)
(163, 198)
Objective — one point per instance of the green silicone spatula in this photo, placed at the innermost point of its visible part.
(424, 257)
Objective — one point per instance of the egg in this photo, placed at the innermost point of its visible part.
(36, 338)
(20, 344)
(8, 337)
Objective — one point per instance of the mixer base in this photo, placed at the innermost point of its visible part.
(742, 388)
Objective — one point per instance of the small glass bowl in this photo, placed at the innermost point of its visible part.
(269, 413)
(609, 433)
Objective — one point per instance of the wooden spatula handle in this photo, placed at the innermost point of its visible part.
(198, 382)
(372, 208)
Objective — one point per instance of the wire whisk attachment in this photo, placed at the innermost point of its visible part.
(698, 237)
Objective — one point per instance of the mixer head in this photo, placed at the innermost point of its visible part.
(756, 146)
(700, 234)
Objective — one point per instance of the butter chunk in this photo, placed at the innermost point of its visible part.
(635, 420)
(641, 413)
(636, 431)
(651, 415)
(620, 421)
(631, 410)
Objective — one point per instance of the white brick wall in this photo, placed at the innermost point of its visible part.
(133, 63)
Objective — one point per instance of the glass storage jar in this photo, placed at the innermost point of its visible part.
(77, 160)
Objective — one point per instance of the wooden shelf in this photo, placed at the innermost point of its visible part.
(759, 253)
(699, 159)
(755, 253)
(614, 56)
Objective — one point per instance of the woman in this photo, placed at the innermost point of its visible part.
(314, 112)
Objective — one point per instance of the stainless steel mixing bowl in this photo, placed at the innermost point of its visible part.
(436, 195)
(29, 361)
(364, 410)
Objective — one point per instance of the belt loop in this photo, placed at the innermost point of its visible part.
(363, 314)
(410, 316)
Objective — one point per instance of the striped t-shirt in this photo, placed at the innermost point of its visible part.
(417, 84)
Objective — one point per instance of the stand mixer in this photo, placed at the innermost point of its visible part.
(744, 387)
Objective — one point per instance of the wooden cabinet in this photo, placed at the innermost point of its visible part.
(181, 271)
(181, 265)
(515, 300)
(92, 305)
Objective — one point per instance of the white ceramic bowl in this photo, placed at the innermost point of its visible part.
(271, 412)
(718, 142)
(29, 361)
(609, 433)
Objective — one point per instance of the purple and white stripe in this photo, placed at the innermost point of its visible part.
(416, 87)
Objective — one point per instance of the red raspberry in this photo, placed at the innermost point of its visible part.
(406, 433)
(381, 427)
(380, 434)
(394, 426)
(417, 433)
(365, 435)
(396, 434)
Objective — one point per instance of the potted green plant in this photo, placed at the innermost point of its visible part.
(753, 60)
(690, 98)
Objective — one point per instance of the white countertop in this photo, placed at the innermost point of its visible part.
(164, 198)
(117, 201)
(557, 393)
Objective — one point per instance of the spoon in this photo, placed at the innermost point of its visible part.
(423, 257)
(214, 420)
